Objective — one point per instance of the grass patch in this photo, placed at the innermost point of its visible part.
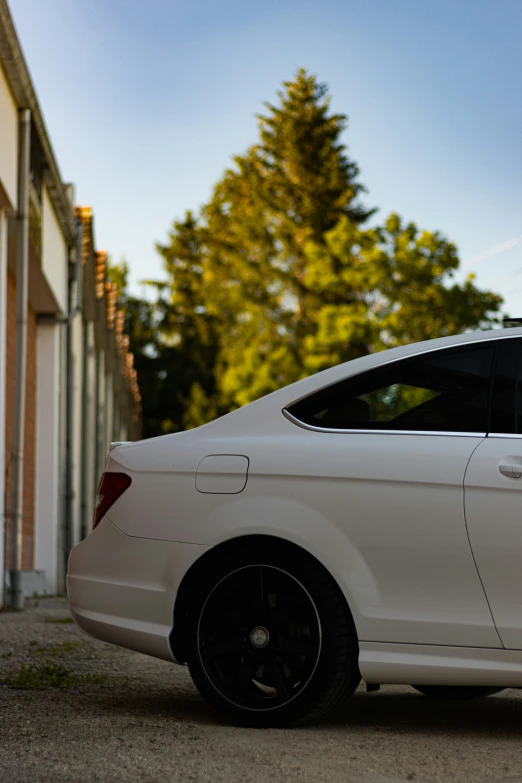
(58, 650)
(60, 620)
(50, 675)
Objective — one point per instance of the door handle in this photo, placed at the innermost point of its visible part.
(510, 469)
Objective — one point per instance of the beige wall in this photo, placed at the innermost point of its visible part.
(77, 351)
(3, 341)
(90, 446)
(8, 140)
(62, 394)
(54, 252)
(109, 405)
(48, 479)
(29, 471)
(100, 417)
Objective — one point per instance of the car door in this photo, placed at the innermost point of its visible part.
(493, 498)
(390, 447)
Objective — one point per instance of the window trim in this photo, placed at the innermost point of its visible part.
(314, 428)
(504, 435)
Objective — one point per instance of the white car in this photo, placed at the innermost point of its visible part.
(363, 522)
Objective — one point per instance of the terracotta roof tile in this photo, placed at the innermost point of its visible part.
(110, 300)
(84, 215)
(100, 272)
(115, 319)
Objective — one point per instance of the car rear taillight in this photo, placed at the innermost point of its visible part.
(111, 486)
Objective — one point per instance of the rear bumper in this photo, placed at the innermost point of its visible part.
(123, 589)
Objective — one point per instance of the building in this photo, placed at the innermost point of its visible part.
(80, 390)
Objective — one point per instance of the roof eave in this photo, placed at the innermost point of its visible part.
(19, 78)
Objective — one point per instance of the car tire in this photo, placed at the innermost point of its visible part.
(271, 640)
(456, 692)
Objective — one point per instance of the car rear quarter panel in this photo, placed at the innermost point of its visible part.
(314, 491)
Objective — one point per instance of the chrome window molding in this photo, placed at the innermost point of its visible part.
(504, 435)
(315, 428)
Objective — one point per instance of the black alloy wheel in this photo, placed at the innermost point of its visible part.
(273, 643)
(259, 637)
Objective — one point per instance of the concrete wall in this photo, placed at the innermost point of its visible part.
(90, 444)
(116, 418)
(50, 402)
(54, 252)
(48, 480)
(60, 543)
(3, 324)
(77, 352)
(8, 140)
(30, 419)
(109, 411)
(101, 452)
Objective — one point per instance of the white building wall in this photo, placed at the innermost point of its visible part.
(8, 140)
(90, 445)
(62, 418)
(48, 479)
(115, 418)
(100, 419)
(77, 368)
(109, 405)
(51, 408)
(3, 291)
(54, 251)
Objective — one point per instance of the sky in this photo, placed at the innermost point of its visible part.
(146, 102)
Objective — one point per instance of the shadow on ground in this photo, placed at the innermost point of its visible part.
(387, 710)
(414, 713)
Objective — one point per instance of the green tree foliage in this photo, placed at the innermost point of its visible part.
(279, 276)
(189, 328)
(387, 286)
(287, 190)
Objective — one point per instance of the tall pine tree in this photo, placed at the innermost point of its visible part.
(287, 190)
(279, 276)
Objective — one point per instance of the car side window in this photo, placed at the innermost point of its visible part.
(504, 415)
(518, 399)
(446, 390)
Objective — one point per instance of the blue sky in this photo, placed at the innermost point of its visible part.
(147, 101)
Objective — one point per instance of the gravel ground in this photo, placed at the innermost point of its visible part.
(121, 716)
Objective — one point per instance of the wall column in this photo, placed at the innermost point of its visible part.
(3, 330)
(109, 404)
(101, 453)
(116, 420)
(77, 440)
(48, 479)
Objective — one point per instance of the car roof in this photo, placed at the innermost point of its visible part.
(263, 417)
